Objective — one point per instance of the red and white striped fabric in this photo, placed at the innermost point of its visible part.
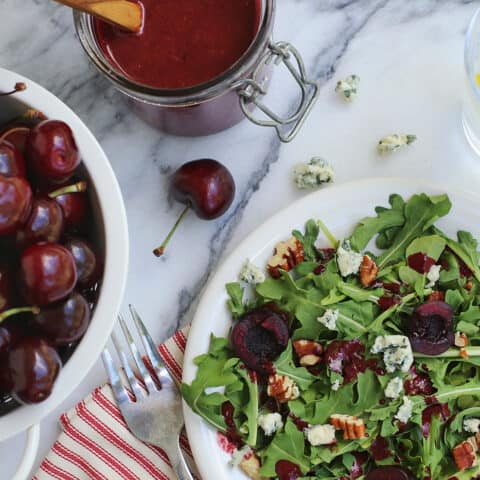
(95, 443)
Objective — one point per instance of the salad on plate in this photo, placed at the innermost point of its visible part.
(356, 358)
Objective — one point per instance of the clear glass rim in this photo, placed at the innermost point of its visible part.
(469, 45)
(183, 96)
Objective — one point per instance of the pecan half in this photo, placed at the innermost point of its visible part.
(352, 426)
(469, 285)
(282, 388)
(285, 257)
(250, 464)
(436, 296)
(464, 455)
(368, 271)
(309, 352)
(461, 340)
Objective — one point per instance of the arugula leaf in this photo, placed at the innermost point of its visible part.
(287, 445)
(386, 219)
(212, 372)
(235, 303)
(431, 245)
(466, 249)
(284, 365)
(360, 294)
(308, 239)
(421, 211)
(251, 407)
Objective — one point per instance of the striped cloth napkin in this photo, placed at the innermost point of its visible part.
(95, 443)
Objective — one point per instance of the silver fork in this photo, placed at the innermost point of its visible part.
(155, 416)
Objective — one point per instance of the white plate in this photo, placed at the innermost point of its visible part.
(340, 207)
(112, 210)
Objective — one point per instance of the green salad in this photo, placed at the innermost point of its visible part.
(353, 358)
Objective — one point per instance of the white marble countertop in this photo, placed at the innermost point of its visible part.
(409, 55)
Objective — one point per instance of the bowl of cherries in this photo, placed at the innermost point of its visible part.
(63, 252)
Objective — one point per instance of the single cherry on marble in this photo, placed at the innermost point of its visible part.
(204, 185)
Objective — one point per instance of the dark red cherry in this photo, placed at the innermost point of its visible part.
(17, 131)
(74, 203)
(15, 203)
(259, 337)
(205, 185)
(6, 290)
(64, 322)
(44, 224)
(430, 328)
(390, 472)
(33, 365)
(47, 273)
(52, 151)
(85, 260)
(12, 163)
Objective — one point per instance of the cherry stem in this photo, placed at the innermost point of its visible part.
(19, 87)
(158, 252)
(78, 187)
(15, 311)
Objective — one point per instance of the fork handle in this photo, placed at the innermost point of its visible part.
(178, 462)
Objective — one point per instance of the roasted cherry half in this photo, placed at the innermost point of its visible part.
(44, 224)
(15, 203)
(12, 163)
(47, 273)
(260, 336)
(64, 322)
(33, 365)
(52, 152)
(85, 260)
(205, 185)
(430, 328)
(389, 472)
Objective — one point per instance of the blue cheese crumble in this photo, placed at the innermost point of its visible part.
(433, 275)
(313, 174)
(320, 434)
(397, 352)
(270, 423)
(394, 388)
(348, 260)
(329, 319)
(405, 411)
(250, 273)
(471, 425)
(347, 89)
(391, 143)
(336, 385)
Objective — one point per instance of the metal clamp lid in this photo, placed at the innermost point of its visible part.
(252, 90)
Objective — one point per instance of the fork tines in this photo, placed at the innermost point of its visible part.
(150, 384)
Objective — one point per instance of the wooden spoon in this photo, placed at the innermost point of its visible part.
(123, 13)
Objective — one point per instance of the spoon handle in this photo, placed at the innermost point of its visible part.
(123, 13)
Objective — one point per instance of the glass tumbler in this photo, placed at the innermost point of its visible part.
(471, 103)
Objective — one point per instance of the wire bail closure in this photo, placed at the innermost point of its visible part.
(252, 90)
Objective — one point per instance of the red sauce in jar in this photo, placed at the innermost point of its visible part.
(183, 42)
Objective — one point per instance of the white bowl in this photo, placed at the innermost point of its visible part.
(112, 212)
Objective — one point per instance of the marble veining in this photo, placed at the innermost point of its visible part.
(409, 56)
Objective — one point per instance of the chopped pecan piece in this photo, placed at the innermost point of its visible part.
(352, 426)
(250, 464)
(285, 257)
(282, 388)
(368, 271)
(461, 340)
(309, 352)
(436, 296)
(464, 455)
(469, 285)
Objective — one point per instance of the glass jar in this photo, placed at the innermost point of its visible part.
(223, 101)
